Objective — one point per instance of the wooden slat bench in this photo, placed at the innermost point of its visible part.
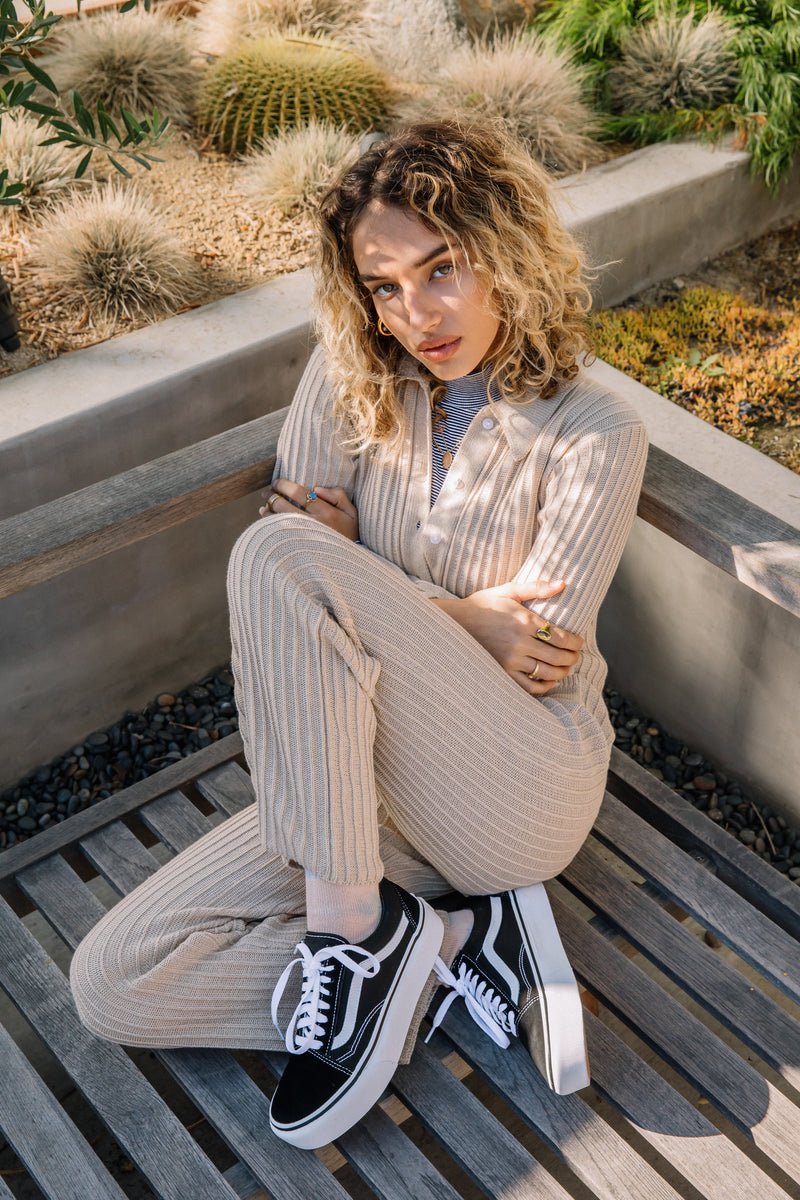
(695, 1052)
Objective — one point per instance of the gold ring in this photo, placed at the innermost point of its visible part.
(534, 674)
(309, 497)
(544, 634)
(272, 498)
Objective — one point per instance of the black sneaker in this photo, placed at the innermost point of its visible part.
(514, 978)
(349, 1029)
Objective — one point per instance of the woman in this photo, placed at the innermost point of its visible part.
(419, 686)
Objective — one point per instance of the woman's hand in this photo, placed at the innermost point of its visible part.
(329, 506)
(497, 618)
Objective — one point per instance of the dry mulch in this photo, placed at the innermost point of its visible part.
(236, 244)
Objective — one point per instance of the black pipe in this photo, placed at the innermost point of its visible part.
(9, 321)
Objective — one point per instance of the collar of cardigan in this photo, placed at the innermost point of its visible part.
(520, 423)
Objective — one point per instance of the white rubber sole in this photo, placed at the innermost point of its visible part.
(366, 1086)
(566, 1065)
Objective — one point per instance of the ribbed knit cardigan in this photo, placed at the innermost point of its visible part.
(542, 490)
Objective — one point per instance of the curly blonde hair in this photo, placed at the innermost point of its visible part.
(486, 197)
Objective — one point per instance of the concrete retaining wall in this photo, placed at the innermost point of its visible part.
(712, 660)
(80, 650)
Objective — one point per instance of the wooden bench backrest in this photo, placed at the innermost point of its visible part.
(717, 524)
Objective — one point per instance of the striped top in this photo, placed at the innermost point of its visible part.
(464, 399)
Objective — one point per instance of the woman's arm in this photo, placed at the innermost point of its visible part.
(588, 507)
(588, 504)
(309, 450)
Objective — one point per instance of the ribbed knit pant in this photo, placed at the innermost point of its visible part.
(381, 738)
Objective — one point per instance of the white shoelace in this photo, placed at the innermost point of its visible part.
(307, 1026)
(485, 1006)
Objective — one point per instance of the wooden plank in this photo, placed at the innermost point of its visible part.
(68, 832)
(62, 897)
(119, 856)
(479, 1143)
(755, 547)
(608, 1165)
(390, 1164)
(78, 528)
(759, 882)
(723, 991)
(753, 1104)
(148, 1130)
(175, 821)
(239, 1111)
(670, 1123)
(44, 1138)
(717, 907)
(244, 1183)
(228, 787)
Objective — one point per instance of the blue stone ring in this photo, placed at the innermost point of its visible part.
(309, 497)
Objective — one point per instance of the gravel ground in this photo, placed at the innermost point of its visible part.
(174, 726)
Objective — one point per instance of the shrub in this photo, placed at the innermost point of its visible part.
(411, 38)
(735, 364)
(41, 170)
(674, 63)
(535, 90)
(765, 43)
(296, 167)
(277, 83)
(137, 61)
(110, 248)
(222, 24)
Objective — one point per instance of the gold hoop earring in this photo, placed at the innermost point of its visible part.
(383, 330)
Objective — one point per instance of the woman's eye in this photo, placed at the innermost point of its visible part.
(383, 289)
(443, 270)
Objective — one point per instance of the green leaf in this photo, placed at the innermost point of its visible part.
(46, 110)
(82, 115)
(693, 358)
(107, 126)
(83, 164)
(119, 167)
(128, 5)
(133, 126)
(40, 76)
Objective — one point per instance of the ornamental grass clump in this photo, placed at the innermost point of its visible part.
(43, 171)
(274, 84)
(537, 93)
(222, 24)
(675, 62)
(111, 250)
(137, 61)
(295, 168)
(411, 38)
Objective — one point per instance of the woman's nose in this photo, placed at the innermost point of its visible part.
(422, 311)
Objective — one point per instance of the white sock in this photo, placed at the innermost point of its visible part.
(350, 910)
(459, 928)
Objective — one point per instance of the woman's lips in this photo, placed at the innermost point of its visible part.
(442, 351)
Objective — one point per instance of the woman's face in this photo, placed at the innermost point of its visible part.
(428, 297)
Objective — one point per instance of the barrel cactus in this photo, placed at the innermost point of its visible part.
(277, 83)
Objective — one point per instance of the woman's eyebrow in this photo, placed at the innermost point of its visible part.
(443, 249)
